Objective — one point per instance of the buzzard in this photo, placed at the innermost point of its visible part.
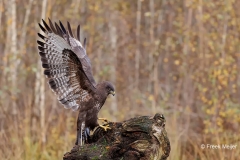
(69, 71)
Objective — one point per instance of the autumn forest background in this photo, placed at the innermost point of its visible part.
(180, 58)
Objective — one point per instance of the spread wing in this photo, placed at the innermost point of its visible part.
(66, 65)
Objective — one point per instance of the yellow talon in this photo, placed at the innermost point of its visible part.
(103, 119)
(105, 127)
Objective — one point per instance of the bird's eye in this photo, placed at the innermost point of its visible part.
(109, 89)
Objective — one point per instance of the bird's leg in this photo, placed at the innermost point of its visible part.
(78, 132)
(104, 126)
(80, 128)
(86, 135)
(81, 134)
(104, 119)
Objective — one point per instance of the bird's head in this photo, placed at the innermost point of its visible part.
(109, 88)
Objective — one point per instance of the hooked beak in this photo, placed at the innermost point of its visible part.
(112, 93)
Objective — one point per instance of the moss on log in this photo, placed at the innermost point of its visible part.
(139, 138)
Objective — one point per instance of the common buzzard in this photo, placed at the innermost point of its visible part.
(69, 70)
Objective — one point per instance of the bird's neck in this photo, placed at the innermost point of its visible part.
(101, 92)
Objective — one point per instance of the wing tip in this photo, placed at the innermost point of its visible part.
(84, 43)
(78, 32)
(40, 43)
(41, 36)
(70, 29)
(46, 26)
(62, 27)
(52, 26)
(40, 48)
(42, 28)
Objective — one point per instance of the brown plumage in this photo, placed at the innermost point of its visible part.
(70, 75)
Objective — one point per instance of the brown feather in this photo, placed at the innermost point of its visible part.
(59, 31)
(78, 32)
(40, 43)
(41, 36)
(52, 26)
(70, 29)
(46, 26)
(62, 27)
(42, 28)
(84, 43)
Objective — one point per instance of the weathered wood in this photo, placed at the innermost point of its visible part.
(139, 138)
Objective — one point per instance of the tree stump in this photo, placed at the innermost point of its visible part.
(139, 138)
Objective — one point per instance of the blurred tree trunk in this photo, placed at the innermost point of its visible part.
(137, 56)
(40, 88)
(168, 30)
(201, 30)
(24, 27)
(14, 59)
(7, 44)
(153, 65)
(113, 41)
(1, 7)
(238, 77)
(158, 71)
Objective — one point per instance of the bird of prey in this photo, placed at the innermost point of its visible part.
(69, 71)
